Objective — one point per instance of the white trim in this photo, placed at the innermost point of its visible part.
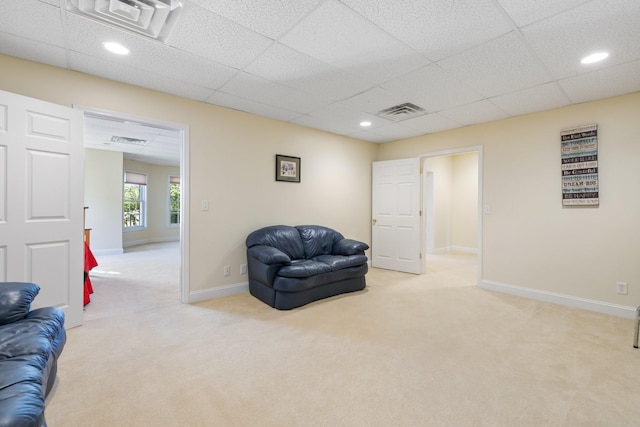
(151, 240)
(464, 249)
(185, 286)
(566, 300)
(218, 292)
(100, 252)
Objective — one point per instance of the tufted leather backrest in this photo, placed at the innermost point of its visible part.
(282, 237)
(318, 240)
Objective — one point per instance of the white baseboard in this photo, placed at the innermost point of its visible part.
(100, 252)
(152, 240)
(566, 300)
(447, 249)
(218, 292)
(464, 249)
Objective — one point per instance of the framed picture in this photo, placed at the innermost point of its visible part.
(287, 168)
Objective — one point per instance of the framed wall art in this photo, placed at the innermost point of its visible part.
(287, 168)
(580, 166)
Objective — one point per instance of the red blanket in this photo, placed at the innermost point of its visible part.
(89, 263)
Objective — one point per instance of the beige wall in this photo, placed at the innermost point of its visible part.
(158, 228)
(455, 202)
(529, 240)
(231, 164)
(103, 197)
(464, 206)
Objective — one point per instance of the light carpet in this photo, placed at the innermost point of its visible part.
(428, 350)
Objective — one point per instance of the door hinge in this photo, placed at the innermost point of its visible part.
(420, 212)
(420, 255)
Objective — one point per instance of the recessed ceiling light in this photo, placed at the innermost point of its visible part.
(594, 57)
(365, 124)
(116, 48)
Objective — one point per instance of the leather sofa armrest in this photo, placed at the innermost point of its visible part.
(268, 255)
(15, 300)
(349, 247)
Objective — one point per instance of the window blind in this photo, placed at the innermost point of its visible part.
(135, 178)
(174, 179)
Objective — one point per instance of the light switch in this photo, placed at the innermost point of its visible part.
(487, 209)
(205, 205)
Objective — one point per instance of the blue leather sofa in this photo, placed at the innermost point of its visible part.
(30, 343)
(289, 267)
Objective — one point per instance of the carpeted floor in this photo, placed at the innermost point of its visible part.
(429, 350)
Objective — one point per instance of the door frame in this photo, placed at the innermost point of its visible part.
(454, 151)
(185, 288)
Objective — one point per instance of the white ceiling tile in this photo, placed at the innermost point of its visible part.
(328, 34)
(374, 100)
(331, 63)
(123, 73)
(368, 136)
(32, 50)
(291, 68)
(433, 88)
(478, 112)
(500, 66)
(610, 25)
(264, 91)
(33, 20)
(338, 119)
(436, 28)
(526, 12)
(204, 33)
(271, 19)
(250, 106)
(612, 81)
(392, 132)
(431, 123)
(86, 36)
(530, 100)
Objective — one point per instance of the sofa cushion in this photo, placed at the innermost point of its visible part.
(338, 262)
(318, 240)
(283, 237)
(304, 268)
(15, 300)
(302, 284)
(22, 399)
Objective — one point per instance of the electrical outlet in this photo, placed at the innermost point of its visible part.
(622, 288)
(243, 268)
(227, 270)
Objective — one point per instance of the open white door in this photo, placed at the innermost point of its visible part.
(396, 224)
(41, 201)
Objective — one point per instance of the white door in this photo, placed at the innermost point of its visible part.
(41, 201)
(396, 226)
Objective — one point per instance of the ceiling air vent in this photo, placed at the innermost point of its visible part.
(153, 18)
(127, 140)
(402, 112)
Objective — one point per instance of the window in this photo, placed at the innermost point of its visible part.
(174, 200)
(135, 198)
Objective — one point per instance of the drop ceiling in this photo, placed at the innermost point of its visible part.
(330, 64)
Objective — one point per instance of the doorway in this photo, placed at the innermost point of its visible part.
(122, 142)
(452, 198)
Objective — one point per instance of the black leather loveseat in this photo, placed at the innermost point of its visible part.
(30, 344)
(293, 266)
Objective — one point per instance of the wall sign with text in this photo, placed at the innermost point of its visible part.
(580, 166)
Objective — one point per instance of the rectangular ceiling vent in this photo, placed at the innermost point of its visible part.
(152, 18)
(402, 112)
(127, 140)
